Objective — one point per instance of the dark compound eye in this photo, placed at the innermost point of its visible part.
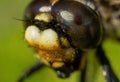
(82, 23)
(36, 7)
(67, 12)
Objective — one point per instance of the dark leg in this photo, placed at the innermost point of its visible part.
(30, 71)
(108, 72)
(83, 74)
(90, 68)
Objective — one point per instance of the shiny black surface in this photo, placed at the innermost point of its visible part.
(84, 28)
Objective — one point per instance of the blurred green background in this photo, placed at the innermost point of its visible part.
(16, 56)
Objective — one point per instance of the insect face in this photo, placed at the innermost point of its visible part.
(49, 40)
(57, 35)
(62, 32)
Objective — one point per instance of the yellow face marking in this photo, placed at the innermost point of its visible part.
(63, 55)
(45, 62)
(65, 42)
(46, 17)
(57, 64)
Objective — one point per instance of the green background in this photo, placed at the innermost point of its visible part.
(16, 56)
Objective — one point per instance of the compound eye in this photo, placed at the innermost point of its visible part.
(81, 23)
(34, 8)
(68, 12)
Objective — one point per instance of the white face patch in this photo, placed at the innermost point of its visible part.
(49, 39)
(46, 40)
(45, 9)
(67, 15)
(32, 34)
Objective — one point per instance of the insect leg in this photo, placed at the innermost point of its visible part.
(30, 71)
(89, 70)
(107, 70)
(83, 73)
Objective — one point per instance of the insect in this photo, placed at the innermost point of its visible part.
(63, 32)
